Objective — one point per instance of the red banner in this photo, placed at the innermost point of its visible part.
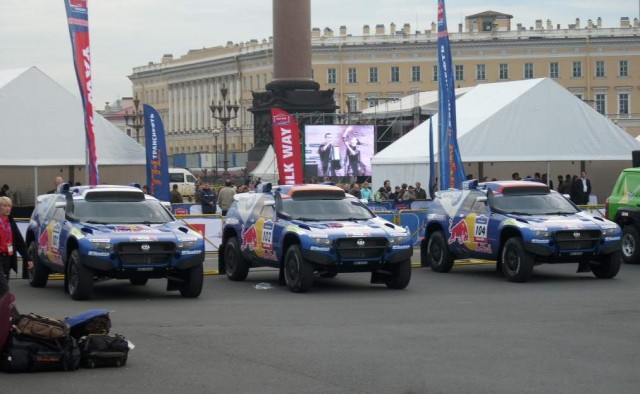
(78, 19)
(286, 141)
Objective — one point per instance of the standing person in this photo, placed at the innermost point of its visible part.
(421, 194)
(366, 192)
(353, 157)
(11, 241)
(208, 199)
(582, 189)
(560, 181)
(175, 195)
(56, 182)
(225, 196)
(329, 156)
(380, 194)
(4, 191)
(575, 190)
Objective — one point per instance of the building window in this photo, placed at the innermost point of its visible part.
(601, 103)
(352, 103)
(576, 69)
(623, 103)
(415, 73)
(481, 72)
(459, 72)
(395, 74)
(504, 71)
(331, 76)
(528, 70)
(373, 74)
(554, 70)
(600, 68)
(434, 78)
(623, 68)
(578, 95)
(353, 75)
(373, 101)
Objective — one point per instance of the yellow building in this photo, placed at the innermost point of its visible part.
(599, 65)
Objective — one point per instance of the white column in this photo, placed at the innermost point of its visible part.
(170, 115)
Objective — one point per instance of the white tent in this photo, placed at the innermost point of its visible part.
(534, 120)
(42, 127)
(267, 169)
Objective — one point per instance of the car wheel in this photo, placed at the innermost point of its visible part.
(630, 245)
(298, 273)
(608, 267)
(192, 287)
(138, 281)
(38, 273)
(517, 263)
(438, 254)
(235, 266)
(401, 275)
(79, 278)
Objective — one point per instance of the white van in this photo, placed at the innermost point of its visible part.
(185, 180)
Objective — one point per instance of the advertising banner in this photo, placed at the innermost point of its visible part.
(78, 20)
(451, 169)
(157, 165)
(286, 144)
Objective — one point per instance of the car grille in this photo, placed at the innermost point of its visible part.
(136, 253)
(354, 248)
(577, 239)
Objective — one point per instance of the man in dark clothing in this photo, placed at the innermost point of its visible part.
(581, 189)
(176, 196)
(421, 194)
(208, 198)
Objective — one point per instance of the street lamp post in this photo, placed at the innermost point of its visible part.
(224, 112)
(135, 120)
(215, 136)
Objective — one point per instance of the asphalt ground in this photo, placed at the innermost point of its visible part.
(468, 331)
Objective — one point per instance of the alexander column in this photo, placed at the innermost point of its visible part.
(292, 87)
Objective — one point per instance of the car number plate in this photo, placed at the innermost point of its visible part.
(360, 262)
(145, 269)
(576, 253)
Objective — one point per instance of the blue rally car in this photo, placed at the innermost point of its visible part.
(305, 230)
(111, 232)
(518, 224)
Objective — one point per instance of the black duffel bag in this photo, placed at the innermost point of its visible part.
(28, 354)
(103, 350)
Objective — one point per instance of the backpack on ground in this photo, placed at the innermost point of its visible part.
(102, 350)
(28, 354)
(42, 327)
(94, 321)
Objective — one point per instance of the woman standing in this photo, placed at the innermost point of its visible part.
(11, 241)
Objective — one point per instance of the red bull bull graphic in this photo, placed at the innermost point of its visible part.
(250, 238)
(458, 232)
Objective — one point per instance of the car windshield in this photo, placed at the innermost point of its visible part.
(121, 212)
(338, 209)
(532, 204)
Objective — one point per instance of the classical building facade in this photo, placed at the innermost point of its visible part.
(600, 65)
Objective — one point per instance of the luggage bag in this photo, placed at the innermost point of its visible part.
(28, 354)
(94, 321)
(102, 350)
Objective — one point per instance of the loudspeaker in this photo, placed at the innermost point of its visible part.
(635, 158)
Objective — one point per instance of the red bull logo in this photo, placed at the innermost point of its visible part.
(459, 232)
(250, 238)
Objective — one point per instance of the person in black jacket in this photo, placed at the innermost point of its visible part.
(208, 199)
(11, 242)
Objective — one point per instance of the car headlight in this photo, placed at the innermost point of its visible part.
(398, 239)
(609, 231)
(187, 244)
(541, 233)
(322, 241)
(102, 245)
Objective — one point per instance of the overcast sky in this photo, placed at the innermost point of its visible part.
(130, 33)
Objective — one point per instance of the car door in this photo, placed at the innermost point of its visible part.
(470, 227)
(49, 240)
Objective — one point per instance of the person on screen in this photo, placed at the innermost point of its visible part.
(329, 156)
(353, 157)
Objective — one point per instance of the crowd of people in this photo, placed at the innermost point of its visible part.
(578, 188)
